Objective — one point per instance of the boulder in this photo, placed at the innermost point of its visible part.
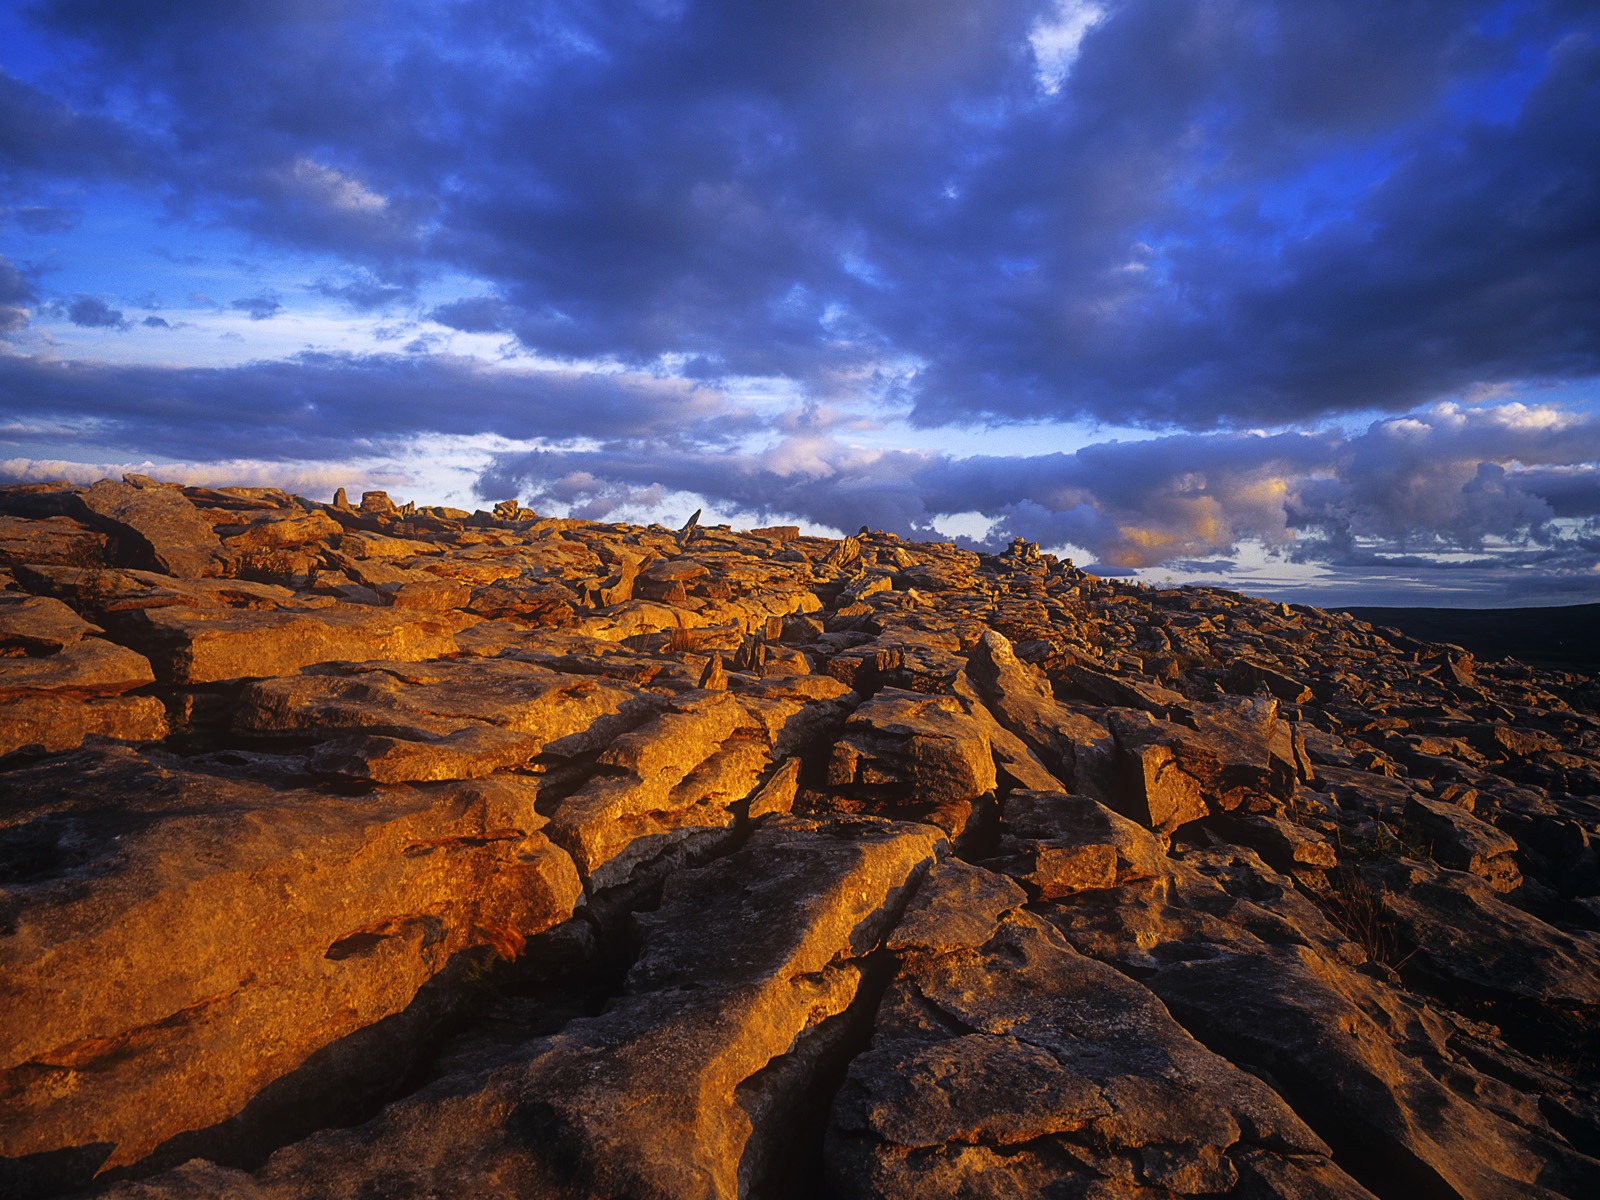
(1237, 753)
(1075, 748)
(156, 528)
(914, 749)
(1282, 843)
(1462, 842)
(1056, 845)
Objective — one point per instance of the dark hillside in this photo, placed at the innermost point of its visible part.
(1567, 638)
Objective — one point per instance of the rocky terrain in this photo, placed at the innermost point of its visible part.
(377, 851)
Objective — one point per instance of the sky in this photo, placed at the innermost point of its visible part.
(1297, 297)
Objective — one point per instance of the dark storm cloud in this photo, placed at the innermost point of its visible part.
(1229, 211)
(475, 314)
(365, 293)
(42, 136)
(17, 290)
(91, 312)
(307, 407)
(258, 308)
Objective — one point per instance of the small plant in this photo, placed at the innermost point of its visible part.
(1356, 909)
(1570, 1040)
(92, 591)
(1194, 660)
(1404, 839)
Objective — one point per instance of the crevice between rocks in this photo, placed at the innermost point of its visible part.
(1378, 1163)
(785, 1158)
(797, 1091)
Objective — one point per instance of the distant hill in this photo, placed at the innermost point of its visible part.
(1565, 638)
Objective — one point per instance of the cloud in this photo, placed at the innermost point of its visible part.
(17, 290)
(365, 293)
(1058, 37)
(308, 407)
(1209, 212)
(474, 314)
(1313, 497)
(259, 308)
(1330, 220)
(43, 137)
(327, 186)
(91, 312)
(314, 480)
(44, 219)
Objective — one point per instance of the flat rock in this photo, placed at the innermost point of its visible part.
(393, 722)
(49, 722)
(1023, 1044)
(678, 776)
(278, 533)
(92, 665)
(38, 626)
(59, 683)
(1465, 932)
(49, 540)
(492, 854)
(1288, 1013)
(192, 646)
(664, 1094)
(177, 940)
(959, 905)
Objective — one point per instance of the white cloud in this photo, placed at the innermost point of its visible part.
(333, 188)
(1058, 38)
(313, 480)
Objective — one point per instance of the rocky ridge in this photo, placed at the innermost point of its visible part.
(374, 850)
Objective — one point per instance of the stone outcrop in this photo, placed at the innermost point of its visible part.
(376, 850)
(179, 940)
(61, 681)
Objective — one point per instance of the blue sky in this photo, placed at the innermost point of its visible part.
(1300, 297)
